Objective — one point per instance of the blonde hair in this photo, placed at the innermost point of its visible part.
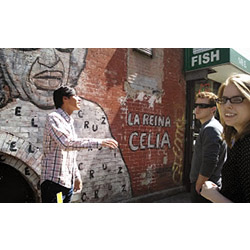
(210, 95)
(242, 83)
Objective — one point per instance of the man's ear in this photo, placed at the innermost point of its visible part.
(65, 98)
(214, 109)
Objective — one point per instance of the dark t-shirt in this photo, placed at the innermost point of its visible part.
(236, 172)
(209, 152)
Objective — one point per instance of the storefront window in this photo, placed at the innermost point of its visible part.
(206, 85)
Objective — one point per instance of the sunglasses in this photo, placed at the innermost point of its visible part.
(203, 105)
(233, 99)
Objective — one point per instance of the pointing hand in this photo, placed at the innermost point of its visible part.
(110, 143)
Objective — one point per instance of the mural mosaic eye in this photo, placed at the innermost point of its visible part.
(65, 50)
(26, 49)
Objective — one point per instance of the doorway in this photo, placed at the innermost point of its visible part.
(14, 188)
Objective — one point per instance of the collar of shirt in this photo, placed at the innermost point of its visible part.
(204, 124)
(67, 118)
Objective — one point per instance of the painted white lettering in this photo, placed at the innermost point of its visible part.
(205, 58)
(156, 117)
(215, 55)
(199, 59)
(161, 121)
(151, 120)
(142, 140)
(149, 141)
(242, 62)
(129, 120)
(131, 145)
(137, 120)
(194, 60)
(165, 140)
(168, 122)
(158, 140)
(145, 119)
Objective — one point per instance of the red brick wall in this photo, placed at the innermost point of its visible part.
(133, 91)
(103, 81)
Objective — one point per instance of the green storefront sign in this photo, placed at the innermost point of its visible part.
(201, 58)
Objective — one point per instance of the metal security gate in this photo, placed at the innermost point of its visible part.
(14, 188)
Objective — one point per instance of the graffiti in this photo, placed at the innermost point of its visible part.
(154, 171)
(159, 142)
(13, 146)
(27, 171)
(91, 174)
(177, 168)
(33, 123)
(31, 150)
(124, 188)
(149, 120)
(103, 168)
(147, 176)
(148, 140)
(18, 111)
(120, 170)
(28, 78)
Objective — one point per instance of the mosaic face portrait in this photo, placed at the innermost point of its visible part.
(33, 74)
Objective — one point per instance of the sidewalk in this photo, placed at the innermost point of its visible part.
(177, 198)
(172, 195)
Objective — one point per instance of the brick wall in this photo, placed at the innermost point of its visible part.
(136, 99)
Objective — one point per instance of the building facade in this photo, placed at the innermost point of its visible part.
(136, 96)
(205, 70)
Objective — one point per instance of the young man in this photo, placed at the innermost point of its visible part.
(210, 151)
(60, 143)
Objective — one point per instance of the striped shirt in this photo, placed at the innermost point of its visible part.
(60, 145)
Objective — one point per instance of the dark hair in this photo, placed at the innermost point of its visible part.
(60, 93)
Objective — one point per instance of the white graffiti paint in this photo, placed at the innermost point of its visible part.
(148, 140)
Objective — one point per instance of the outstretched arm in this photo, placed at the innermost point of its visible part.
(60, 136)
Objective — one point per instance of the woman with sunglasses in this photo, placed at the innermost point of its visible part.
(234, 108)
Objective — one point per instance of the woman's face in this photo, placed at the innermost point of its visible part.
(34, 74)
(235, 114)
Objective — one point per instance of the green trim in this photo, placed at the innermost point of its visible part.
(239, 61)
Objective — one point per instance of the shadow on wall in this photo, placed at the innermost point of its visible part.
(117, 63)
